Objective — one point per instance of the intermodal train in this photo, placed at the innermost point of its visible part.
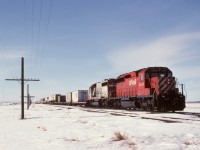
(152, 88)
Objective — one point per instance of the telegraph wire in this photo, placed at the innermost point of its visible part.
(32, 36)
(45, 37)
(36, 29)
(27, 37)
(6, 58)
(38, 37)
(26, 34)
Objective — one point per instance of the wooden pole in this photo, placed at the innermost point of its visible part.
(28, 101)
(22, 88)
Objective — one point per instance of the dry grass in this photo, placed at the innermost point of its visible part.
(119, 136)
(86, 122)
(42, 128)
(187, 143)
(76, 139)
(124, 137)
(50, 109)
(82, 121)
(192, 143)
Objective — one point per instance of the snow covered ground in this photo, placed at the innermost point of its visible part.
(49, 127)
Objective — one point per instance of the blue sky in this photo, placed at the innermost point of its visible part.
(75, 43)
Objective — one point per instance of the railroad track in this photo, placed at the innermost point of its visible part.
(189, 113)
(131, 115)
(142, 114)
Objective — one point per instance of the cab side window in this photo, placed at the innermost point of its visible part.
(141, 78)
(147, 76)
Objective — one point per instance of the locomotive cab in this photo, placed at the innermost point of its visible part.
(162, 87)
(159, 80)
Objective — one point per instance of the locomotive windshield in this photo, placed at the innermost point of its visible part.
(161, 75)
(167, 74)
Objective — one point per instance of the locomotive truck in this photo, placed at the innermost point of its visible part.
(152, 88)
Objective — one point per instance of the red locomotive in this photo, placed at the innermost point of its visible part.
(152, 88)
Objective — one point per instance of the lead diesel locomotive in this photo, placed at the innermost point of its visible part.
(152, 88)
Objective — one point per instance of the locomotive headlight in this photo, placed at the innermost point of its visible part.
(168, 81)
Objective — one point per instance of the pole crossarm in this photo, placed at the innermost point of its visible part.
(30, 96)
(21, 79)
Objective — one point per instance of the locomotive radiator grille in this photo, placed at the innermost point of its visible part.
(167, 84)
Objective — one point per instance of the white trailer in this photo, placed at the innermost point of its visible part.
(79, 96)
(54, 98)
(69, 97)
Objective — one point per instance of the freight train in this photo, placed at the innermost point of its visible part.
(152, 88)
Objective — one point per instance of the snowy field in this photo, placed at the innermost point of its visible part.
(49, 127)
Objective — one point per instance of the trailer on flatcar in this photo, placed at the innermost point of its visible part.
(78, 97)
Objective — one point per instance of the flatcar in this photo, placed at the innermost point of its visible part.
(152, 88)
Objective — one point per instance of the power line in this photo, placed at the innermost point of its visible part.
(5, 57)
(45, 37)
(32, 36)
(28, 40)
(26, 36)
(38, 36)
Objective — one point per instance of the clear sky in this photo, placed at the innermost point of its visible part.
(71, 44)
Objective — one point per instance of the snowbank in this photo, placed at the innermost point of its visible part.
(48, 127)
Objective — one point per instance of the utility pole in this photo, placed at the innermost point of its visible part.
(3, 95)
(28, 97)
(22, 86)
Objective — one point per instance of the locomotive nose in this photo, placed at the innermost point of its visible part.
(167, 84)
